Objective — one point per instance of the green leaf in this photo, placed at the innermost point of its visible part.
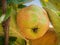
(48, 4)
(2, 18)
(21, 6)
(0, 12)
(55, 3)
(8, 13)
(11, 40)
(17, 1)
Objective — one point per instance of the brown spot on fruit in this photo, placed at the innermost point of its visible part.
(35, 30)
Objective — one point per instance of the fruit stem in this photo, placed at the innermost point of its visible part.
(27, 41)
(5, 24)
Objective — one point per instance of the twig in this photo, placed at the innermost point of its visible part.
(5, 24)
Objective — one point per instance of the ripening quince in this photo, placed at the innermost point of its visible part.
(32, 22)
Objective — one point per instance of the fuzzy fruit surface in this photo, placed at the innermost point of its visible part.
(32, 21)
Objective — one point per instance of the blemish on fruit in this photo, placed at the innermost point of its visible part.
(35, 30)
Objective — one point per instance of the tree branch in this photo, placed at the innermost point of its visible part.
(5, 24)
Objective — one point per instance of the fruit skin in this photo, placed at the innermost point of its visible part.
(54, 18)
(58, 35)
(49, 38)
(30, 18)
